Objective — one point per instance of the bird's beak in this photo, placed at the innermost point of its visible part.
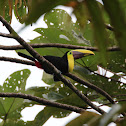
(79, 53)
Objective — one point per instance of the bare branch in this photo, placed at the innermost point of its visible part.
(7, 25)
(6, 35)
(17, 61)
(43, 101)
(57, 45)
(109, 103)
(43, 45)
(45, 63)
(119, 95)
(94, 87)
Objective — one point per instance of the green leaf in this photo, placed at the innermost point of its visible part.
(54, 96)
(37, 91)
(98, 27)
(60, 30)
(46, 113)
(76, 102)
(58, 18)
(116, 61)
(20, 10)
(63, 31)
(58, 112)
(5, 10)
(60, 93)
(83, 119)
(87, 33)
(41, 118)
(111, 116)
(49, 34)
(47, 78)
(2, 3)
(81, 70)
(61, 26)
(81, 14)
(108, 117)
(11, 122)
(11, 107)
(39, 7)
(113, 9)
(104, 13)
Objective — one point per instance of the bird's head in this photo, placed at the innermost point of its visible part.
(79, 53)
(76, 54)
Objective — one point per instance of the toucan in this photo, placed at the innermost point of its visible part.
(65, 63)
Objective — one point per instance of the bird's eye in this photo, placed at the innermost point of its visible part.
(70, 53)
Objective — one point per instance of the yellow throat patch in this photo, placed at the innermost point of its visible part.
(70, 59)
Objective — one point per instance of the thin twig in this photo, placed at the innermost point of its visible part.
(57, 45)
(6, 35)
(101, 74)
(121, 100)
(17, 61)
(119, 95)
(108, 77)
(112, 72)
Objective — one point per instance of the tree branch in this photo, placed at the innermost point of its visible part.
(7, 25)
(15, 60)
(77, 79)
(45, 63)
(57, 45)
(112, 72)
(104, 76)
(43, 101)
(6, 35)
(94, 87)
(107, 77)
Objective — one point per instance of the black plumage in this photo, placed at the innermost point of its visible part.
(61, 63)
(65, 64)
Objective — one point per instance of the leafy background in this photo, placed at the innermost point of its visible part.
(89, 30)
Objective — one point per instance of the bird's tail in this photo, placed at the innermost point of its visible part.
(26, 56)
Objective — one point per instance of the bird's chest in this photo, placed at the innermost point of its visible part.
(70, 63)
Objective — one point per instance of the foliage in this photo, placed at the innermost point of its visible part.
(93, 119)
(89, 30)
(11, 107)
